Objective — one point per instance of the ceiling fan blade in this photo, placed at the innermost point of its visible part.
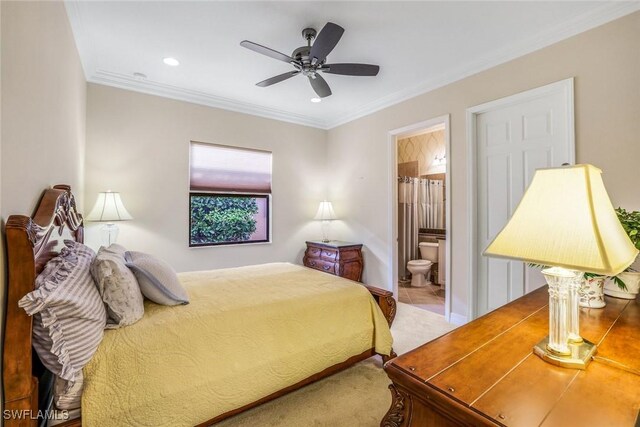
(327, 39)
(277, 79)
(266, 51)
(351, 69)
(320, 86)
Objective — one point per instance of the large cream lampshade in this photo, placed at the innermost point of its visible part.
(566, 221)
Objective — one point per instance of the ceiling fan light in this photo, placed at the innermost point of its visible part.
(172, 62)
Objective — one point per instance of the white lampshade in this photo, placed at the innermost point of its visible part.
(325, 212)
(108, 208)
(566, 219)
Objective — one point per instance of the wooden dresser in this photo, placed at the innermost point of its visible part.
(343, 259)
(484, 373)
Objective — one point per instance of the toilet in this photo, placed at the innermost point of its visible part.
(420, 268)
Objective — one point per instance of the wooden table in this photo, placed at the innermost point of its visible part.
(484, 373)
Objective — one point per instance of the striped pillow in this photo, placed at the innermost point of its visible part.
(69, 315)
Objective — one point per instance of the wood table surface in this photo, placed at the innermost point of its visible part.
(484, 373)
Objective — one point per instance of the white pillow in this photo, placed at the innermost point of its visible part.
(157, 280)
(118, 287)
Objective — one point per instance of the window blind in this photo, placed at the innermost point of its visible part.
(229, 169)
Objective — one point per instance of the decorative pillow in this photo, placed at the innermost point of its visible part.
(118, 287)
(69, 315)
(157, 280)
(65, 396)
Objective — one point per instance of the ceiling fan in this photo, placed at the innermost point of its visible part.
(310, 59)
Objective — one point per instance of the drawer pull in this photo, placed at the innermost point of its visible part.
(451, 389)
(312, 263)
(327, 267)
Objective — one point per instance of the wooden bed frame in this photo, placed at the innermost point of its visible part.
(31, 242)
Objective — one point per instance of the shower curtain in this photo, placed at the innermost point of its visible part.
(408, 223)
(432, 203)
(420, 205)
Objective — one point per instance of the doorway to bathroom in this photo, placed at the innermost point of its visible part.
(422, 215)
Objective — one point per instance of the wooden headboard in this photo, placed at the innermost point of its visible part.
(31, 243)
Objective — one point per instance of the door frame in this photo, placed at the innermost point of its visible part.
(392, 180)
(564, 86)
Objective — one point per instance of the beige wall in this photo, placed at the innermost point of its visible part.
(606, 65)
(43, 107)
(422, 148)
(139, 145)
(43, 104)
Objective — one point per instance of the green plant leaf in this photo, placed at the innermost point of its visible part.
(620, 283)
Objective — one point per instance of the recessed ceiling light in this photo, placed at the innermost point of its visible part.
(173, 62)
(316, 99)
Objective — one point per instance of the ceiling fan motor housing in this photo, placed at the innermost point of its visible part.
(301, 54)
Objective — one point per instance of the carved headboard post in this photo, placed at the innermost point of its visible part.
(20, 388)
(31, 243)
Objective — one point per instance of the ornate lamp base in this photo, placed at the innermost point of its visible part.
(579, 357)
(109, 234)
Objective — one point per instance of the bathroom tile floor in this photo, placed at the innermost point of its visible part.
(430, 298)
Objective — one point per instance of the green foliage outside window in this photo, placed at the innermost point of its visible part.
(221, 219)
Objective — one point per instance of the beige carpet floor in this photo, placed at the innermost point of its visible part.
(355, 397)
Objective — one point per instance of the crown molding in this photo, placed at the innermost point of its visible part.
(598, 16)
(83, 44)
(124, 81)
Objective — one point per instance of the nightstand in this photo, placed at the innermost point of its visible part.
(343, 259)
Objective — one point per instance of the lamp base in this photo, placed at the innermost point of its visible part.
(581, 354)
(109, 234)
(325, 231)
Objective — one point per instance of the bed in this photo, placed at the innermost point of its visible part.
(250, 334)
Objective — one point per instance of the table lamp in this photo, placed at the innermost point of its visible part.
(565, 222)
(326, 215)
(109, 209)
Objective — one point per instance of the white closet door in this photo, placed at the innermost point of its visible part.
(521, 134)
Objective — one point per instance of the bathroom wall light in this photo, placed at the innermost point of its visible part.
(438, 166)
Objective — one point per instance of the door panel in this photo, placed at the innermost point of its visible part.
(513, 141)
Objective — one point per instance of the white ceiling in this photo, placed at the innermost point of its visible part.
(418, 45)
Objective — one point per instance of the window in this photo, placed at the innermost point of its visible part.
(230, 195)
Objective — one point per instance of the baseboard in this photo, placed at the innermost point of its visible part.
(457, 319)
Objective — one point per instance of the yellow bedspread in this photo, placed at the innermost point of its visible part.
(247, 333)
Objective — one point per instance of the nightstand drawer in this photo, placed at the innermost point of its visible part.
(329, 254)
(313, 252)
(326, 266)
